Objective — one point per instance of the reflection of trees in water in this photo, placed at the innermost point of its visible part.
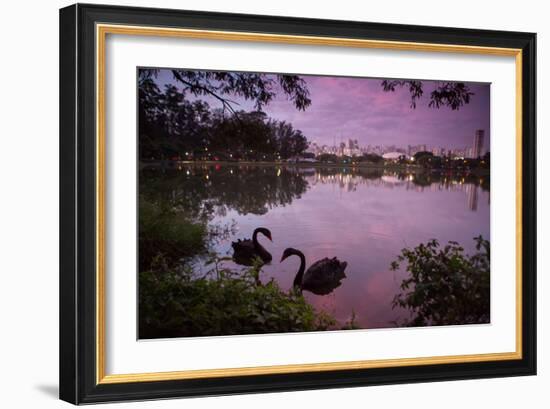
(204, 191)
(350, 178)
(207, 190)
(451, 181)
(194, 195)
(346, 178)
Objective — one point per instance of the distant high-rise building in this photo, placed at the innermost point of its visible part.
(477, 149)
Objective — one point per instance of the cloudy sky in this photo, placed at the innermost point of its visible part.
(358, 108)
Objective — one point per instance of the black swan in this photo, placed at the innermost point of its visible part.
(246, 251)
(322, 277)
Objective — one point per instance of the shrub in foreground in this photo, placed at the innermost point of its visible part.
(445, 286)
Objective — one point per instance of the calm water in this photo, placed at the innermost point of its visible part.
(362, 217)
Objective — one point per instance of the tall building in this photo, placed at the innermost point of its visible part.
(477, 149)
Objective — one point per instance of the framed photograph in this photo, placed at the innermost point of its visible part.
(257, 203)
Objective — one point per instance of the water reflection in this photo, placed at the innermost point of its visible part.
(364, 216)
(207, 189)
(256, 189)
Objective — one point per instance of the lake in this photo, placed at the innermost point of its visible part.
(362, 216)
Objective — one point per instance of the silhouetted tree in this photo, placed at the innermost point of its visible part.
(257, 87)
(446, 94)
(290, 142)
(372, 157)
(173, 126)
(168, 123)
(423, 158)
(327, 158)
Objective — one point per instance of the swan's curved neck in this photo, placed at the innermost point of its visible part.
(255, 238)
(300, 274)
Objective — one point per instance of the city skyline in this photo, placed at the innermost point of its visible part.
(352, 147)
(355, 108)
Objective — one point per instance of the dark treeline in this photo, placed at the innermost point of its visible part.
(173, 126)
(423, 159)
(429, 160)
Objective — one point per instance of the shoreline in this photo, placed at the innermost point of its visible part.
(173, 164)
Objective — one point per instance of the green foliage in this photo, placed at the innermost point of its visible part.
(176, 303)
(162, 230)
(445, 286)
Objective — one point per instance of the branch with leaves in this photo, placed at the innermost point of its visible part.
(446, 94)
(444, 285)
(256, 87)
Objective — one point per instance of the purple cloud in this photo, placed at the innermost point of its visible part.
(358, 108)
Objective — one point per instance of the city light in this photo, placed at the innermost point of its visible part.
(351, 148)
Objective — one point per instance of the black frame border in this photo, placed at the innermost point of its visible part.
(78, 197)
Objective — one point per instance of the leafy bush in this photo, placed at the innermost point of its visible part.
(445, 286)
(178, 304)
(164, 231)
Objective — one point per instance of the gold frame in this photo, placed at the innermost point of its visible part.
(102, 30)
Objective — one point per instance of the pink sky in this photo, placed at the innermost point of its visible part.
(358, 108)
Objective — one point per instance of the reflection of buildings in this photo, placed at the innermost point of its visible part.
(477, 149)
(351, 179)
(472, 191)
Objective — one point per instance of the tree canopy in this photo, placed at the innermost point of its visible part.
(173, 125)
(257, 87)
